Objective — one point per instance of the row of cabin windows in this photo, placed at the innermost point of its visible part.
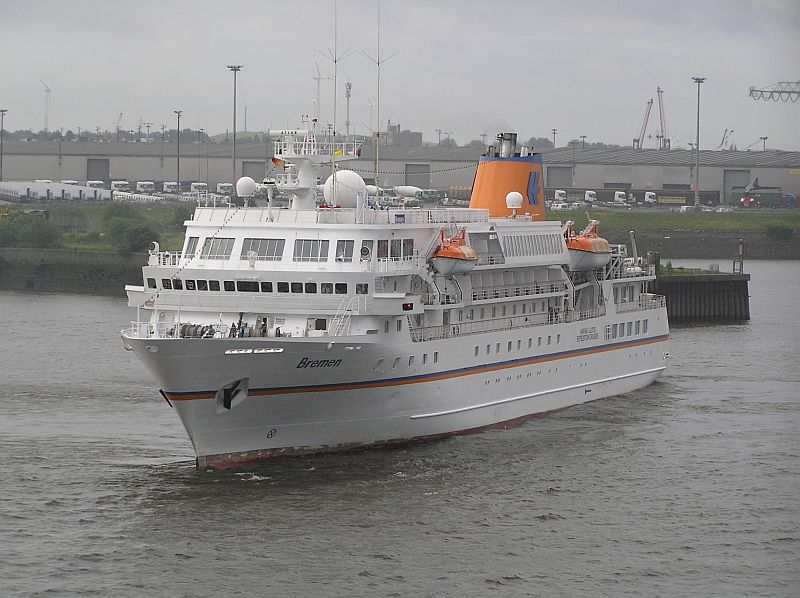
(305, 250)
(254, 286)
(519, 343)
(519, 245)
(625, 329)
(411, 361)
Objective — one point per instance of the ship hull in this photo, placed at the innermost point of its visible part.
(305, 396)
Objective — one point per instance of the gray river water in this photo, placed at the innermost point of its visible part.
(686, 488)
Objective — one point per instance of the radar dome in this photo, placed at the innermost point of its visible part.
(348, 185)
(245, 187)
(514, 200)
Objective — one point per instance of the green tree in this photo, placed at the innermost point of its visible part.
(29, 230)
(183, 212)
(128, 235)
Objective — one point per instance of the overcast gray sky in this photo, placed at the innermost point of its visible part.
(463, 66)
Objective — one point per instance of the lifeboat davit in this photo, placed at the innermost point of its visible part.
(454, 256)
(587, 250)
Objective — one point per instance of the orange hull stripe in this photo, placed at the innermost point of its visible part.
(191, 396)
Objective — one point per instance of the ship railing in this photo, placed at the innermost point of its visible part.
(588, 314)
(644, 301)
(622, 266)
(519, 290)
(399, 264)
(440, 298)
(456, 329)
(176, 330)
(167, 258)
(423, 216)
(311, 147)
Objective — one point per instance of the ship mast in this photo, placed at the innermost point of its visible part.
(378, 60)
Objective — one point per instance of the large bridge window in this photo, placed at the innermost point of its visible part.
(264, 249)
(310, 250)
(215, 249)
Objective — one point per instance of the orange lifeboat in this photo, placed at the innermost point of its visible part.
(587, 250)
(454, 255)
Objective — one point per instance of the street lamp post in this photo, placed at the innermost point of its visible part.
(763, 149)
(554, 137)
(2, 134)
(235, 68)
(572, 145)
(163, 129)
(583, 141)
(178, 170)
(697, 80)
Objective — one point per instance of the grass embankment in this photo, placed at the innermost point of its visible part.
(88, 226)
(649, 219)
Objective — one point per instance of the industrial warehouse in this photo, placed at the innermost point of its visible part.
(724, 175)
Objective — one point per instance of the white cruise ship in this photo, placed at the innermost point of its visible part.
(315, 329)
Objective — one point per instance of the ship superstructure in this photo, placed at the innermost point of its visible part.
(313, 329)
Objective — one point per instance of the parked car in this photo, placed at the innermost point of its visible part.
(559, 206)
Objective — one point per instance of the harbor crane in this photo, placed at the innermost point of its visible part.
(638, 141)
(663, 141)
(783, 91)
(726, 136)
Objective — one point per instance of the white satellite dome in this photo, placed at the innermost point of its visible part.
(348, 185)
(245, 187)
(514, 200)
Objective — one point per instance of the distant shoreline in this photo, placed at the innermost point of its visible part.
(107, 273)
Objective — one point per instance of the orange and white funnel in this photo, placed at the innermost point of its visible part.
(505, 170)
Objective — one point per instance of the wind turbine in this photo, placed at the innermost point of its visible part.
(47, 91)
(318, 79)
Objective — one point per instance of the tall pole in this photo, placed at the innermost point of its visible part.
(199, 167)
(235, 68)
(178, 172)
(697, 80)
(554, 137)
(583, 141)
(763, 149)
(572, 144)
(378, 134)
(2, 134)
